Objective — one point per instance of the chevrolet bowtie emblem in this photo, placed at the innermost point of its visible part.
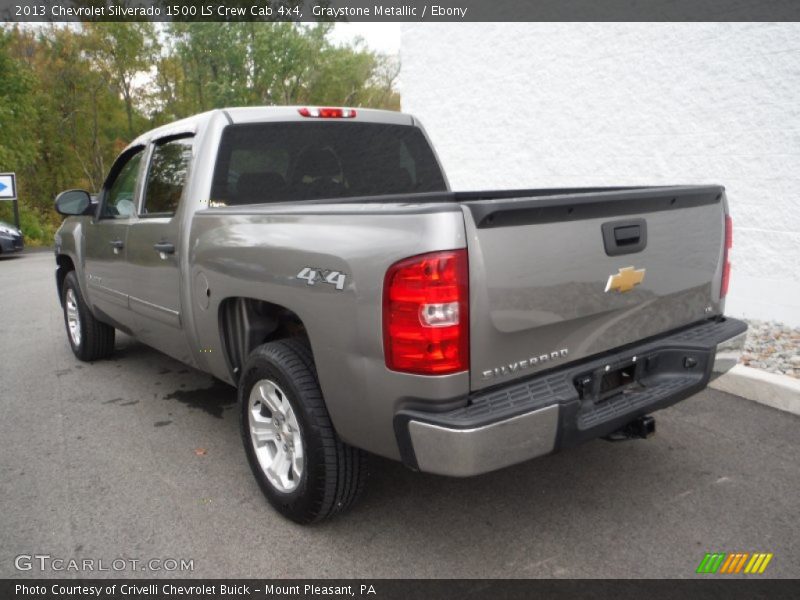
(625, 280)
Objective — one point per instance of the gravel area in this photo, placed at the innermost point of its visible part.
(773, 347)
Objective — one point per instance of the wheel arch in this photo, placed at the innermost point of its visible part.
(245, 323)
(64, 264)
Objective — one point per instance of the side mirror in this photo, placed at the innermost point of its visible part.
(74, 203)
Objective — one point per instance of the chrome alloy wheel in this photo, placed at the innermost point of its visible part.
(276, 435)
(73, 317)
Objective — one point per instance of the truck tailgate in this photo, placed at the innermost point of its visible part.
(557, 276)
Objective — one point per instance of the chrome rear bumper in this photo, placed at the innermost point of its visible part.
(465, 452)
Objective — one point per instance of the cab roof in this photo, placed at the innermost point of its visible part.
(263, 114)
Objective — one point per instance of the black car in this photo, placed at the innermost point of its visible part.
(10, 239)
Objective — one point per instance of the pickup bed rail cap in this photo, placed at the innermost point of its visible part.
(332, 208)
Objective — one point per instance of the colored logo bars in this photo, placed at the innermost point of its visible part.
(736, 562)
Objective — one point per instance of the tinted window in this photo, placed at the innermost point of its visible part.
(167, 176)
(273, 162)
(119, 202)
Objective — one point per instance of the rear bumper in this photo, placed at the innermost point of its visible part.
(727, 354)
(524, 419)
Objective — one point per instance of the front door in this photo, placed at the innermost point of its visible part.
(154, 250)
(107, 238)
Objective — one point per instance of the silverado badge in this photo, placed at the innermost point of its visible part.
(625, 280)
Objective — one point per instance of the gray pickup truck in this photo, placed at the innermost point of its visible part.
(316, 259)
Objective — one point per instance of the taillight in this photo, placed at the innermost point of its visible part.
(426, 314)
(327, 113)
(726, 257)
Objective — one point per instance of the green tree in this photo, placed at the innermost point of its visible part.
(71, 98)
(230, 64)
(17, 108)
(74, 121)
(124, 52)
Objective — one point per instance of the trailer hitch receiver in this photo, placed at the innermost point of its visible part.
(638, 429)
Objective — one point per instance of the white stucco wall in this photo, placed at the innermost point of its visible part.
(543, 105)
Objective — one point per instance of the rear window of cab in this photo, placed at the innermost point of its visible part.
(279, 162)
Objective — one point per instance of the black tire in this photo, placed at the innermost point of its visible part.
(96, 338)
(334, 473)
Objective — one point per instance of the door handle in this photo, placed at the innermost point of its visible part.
(165, 247)
(117, 245)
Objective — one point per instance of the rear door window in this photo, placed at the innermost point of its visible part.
(166, 177)
(275, 162)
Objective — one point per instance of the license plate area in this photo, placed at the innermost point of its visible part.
(617, 381)
(623, 377)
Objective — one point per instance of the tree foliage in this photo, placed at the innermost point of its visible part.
(72, 97)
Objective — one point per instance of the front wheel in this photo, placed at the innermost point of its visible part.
(89, 338)
(306, 472)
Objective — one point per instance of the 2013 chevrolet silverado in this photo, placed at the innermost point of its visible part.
(315, 258)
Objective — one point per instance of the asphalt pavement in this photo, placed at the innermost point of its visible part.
(139, 457)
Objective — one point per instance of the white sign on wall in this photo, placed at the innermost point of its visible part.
(8, 186)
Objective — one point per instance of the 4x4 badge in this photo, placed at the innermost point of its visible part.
(314, 275)
(625, 280)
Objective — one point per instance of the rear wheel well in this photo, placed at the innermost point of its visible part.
(64, 265)
(246, 323)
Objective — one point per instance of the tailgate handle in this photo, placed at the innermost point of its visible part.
(624, 237)
(630, 234)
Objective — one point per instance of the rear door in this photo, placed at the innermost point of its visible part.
(153, 248)
(107, 237)
(560, 278)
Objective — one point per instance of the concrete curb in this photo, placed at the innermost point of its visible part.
(778, 391)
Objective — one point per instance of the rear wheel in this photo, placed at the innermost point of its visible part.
(89, 338)
(306, 472)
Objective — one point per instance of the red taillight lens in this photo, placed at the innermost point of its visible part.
(726, 258)
(327, 113)
(426, 314)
